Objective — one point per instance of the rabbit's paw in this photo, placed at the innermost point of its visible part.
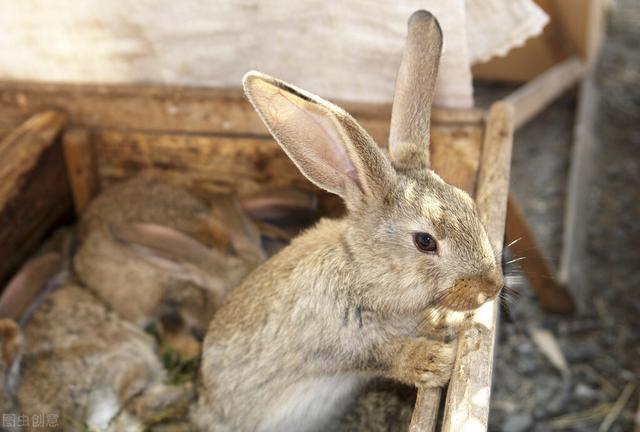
(427, 363)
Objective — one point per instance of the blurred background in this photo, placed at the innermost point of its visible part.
(574, 205)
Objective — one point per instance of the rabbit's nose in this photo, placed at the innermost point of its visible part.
(491, 283)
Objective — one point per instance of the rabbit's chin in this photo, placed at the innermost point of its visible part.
(444, 321)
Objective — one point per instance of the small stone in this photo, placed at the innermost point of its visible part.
(584, 391)
(517, 423)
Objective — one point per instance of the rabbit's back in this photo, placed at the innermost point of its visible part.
(82, 362)
(145, 198)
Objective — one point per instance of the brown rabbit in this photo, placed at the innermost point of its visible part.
(349, 299)
(156, 254)
(92, 368)
(75, 360)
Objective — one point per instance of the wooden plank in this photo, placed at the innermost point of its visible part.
(81, 169)
(553, 296)
(468, 394)
(575, 229)
(174, 109)
(455, 156)
(34, 194)
(20, 150)
(210, 164)
(529, 100)
(584, 143)
(425, 413)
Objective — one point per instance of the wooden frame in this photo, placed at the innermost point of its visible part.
(211, 141)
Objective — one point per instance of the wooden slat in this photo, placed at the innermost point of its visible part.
(174, 109)
(455, 156)
(34, 193)
(214, 163)
(81, 169)
(553, 296)
(468, 394)
(425, 412)
(530, 99)
(210, 163)
(575, 229)
(584, 144)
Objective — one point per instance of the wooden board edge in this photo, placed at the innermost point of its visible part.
(81, 168)
(468, 394)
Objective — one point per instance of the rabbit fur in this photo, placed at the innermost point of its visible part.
(73, 358)
(90, 367)
(350, 299)
(180, 296)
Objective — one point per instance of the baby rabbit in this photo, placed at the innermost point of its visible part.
(91, 367)
(138, 253)
(81, 363)
(348, 299)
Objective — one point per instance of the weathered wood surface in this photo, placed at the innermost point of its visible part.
(456, 152)
(425, 411)
(78, 154)
(574, 239)
(34, 193)
(173, 109)
(210, 164)
(530, 99)
(468, 394)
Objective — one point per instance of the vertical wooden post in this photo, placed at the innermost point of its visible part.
(468, 395)
(33, 187)
(78, 154)
(584, 143)
(553, 296)
(425, 412)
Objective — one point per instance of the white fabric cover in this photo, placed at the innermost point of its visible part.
(340, 50)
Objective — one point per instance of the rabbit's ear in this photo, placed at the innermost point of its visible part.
(23, 289)
(325, 143)
(281, 203)
(227, 214)
(415, 86)
(164, 248)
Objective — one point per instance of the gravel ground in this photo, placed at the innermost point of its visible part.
(600, 343)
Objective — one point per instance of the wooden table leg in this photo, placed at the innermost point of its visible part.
(553, 296)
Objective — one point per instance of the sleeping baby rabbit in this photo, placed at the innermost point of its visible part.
(74, 359)
(156, 254)
(349, 299)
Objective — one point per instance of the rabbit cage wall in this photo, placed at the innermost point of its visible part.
(62, 144)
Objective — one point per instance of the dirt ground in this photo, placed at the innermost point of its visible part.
(601, 342)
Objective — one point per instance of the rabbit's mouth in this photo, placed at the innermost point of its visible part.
(471, 292)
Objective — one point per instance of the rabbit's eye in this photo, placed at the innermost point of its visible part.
(425, 242)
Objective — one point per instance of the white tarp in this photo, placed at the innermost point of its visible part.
(346, 50)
